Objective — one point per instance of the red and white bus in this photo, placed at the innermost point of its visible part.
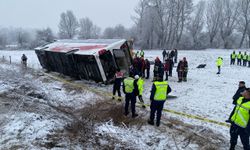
(93, 59)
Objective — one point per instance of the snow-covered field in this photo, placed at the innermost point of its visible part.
(206, 94)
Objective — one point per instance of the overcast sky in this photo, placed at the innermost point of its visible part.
(46, 13)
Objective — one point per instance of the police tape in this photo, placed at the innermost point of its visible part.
(142, 104)
(192, 116)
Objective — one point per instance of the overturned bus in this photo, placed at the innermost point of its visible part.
(94, 59)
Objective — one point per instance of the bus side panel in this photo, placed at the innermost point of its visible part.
(88, 68)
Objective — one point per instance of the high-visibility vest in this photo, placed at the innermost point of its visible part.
(161, 90)
(142, 53)
(239, 56)
(249, 57)
(140, 84)
(129, 84)
(241, 113)
(233, 56)
(219, 62)
(245, 57)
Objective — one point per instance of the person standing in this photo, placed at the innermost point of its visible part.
(240, 121)
(164, 53)
(172, 54)
(219, 63)
(117, 84)
(24, 60)
(130, 89)
(166, 68)
(180, 69)
(140, 84)
(232, 58)
(156, 68)
(141, 53)
(237, 95)
(244, 57)
(185, 70)
(175, 55)
(171, 66)
(239, 57)
(147, 68)
(159, 92)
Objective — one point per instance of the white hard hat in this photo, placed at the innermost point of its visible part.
(137, 77)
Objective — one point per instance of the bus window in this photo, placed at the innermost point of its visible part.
(108, 64)
(122, 59)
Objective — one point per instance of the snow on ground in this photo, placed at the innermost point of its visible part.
(205, 94)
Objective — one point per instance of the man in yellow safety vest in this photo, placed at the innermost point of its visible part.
(130, 89)
(219, 63)
(232, 58)
(240, 121)
(159, 92)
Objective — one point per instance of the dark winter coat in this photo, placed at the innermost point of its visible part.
(172, 54)
(147, 64)
(171, 64)
(180, 67)
(164, 53)
(237, 94)
(185, 65)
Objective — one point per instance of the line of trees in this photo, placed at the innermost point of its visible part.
(181, 24)
(163, 24)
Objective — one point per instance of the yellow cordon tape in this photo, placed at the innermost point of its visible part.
(104, 93)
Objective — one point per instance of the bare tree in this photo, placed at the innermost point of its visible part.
(87, 29)
(213, 18)
(230, 12)
(3, 39)
(22, 38)
(43, 36)
(68, 25)
(196, 23)
(243, 22)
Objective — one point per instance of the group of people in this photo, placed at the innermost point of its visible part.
(239, 117)
(133, 88)
(242, 59)
(140, 66)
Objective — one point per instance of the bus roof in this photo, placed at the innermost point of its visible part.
(83, 47)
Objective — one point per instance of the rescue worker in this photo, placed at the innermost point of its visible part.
(219, 63)
(244, 57)
(130, 89)
(239, 57)
(117, 84)
(240, 121)
(147, 68)
(232, 58)
(142, 53)
(159, 92)
(236, 96)
(185, 71)
(140, 84)
(24, 60)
